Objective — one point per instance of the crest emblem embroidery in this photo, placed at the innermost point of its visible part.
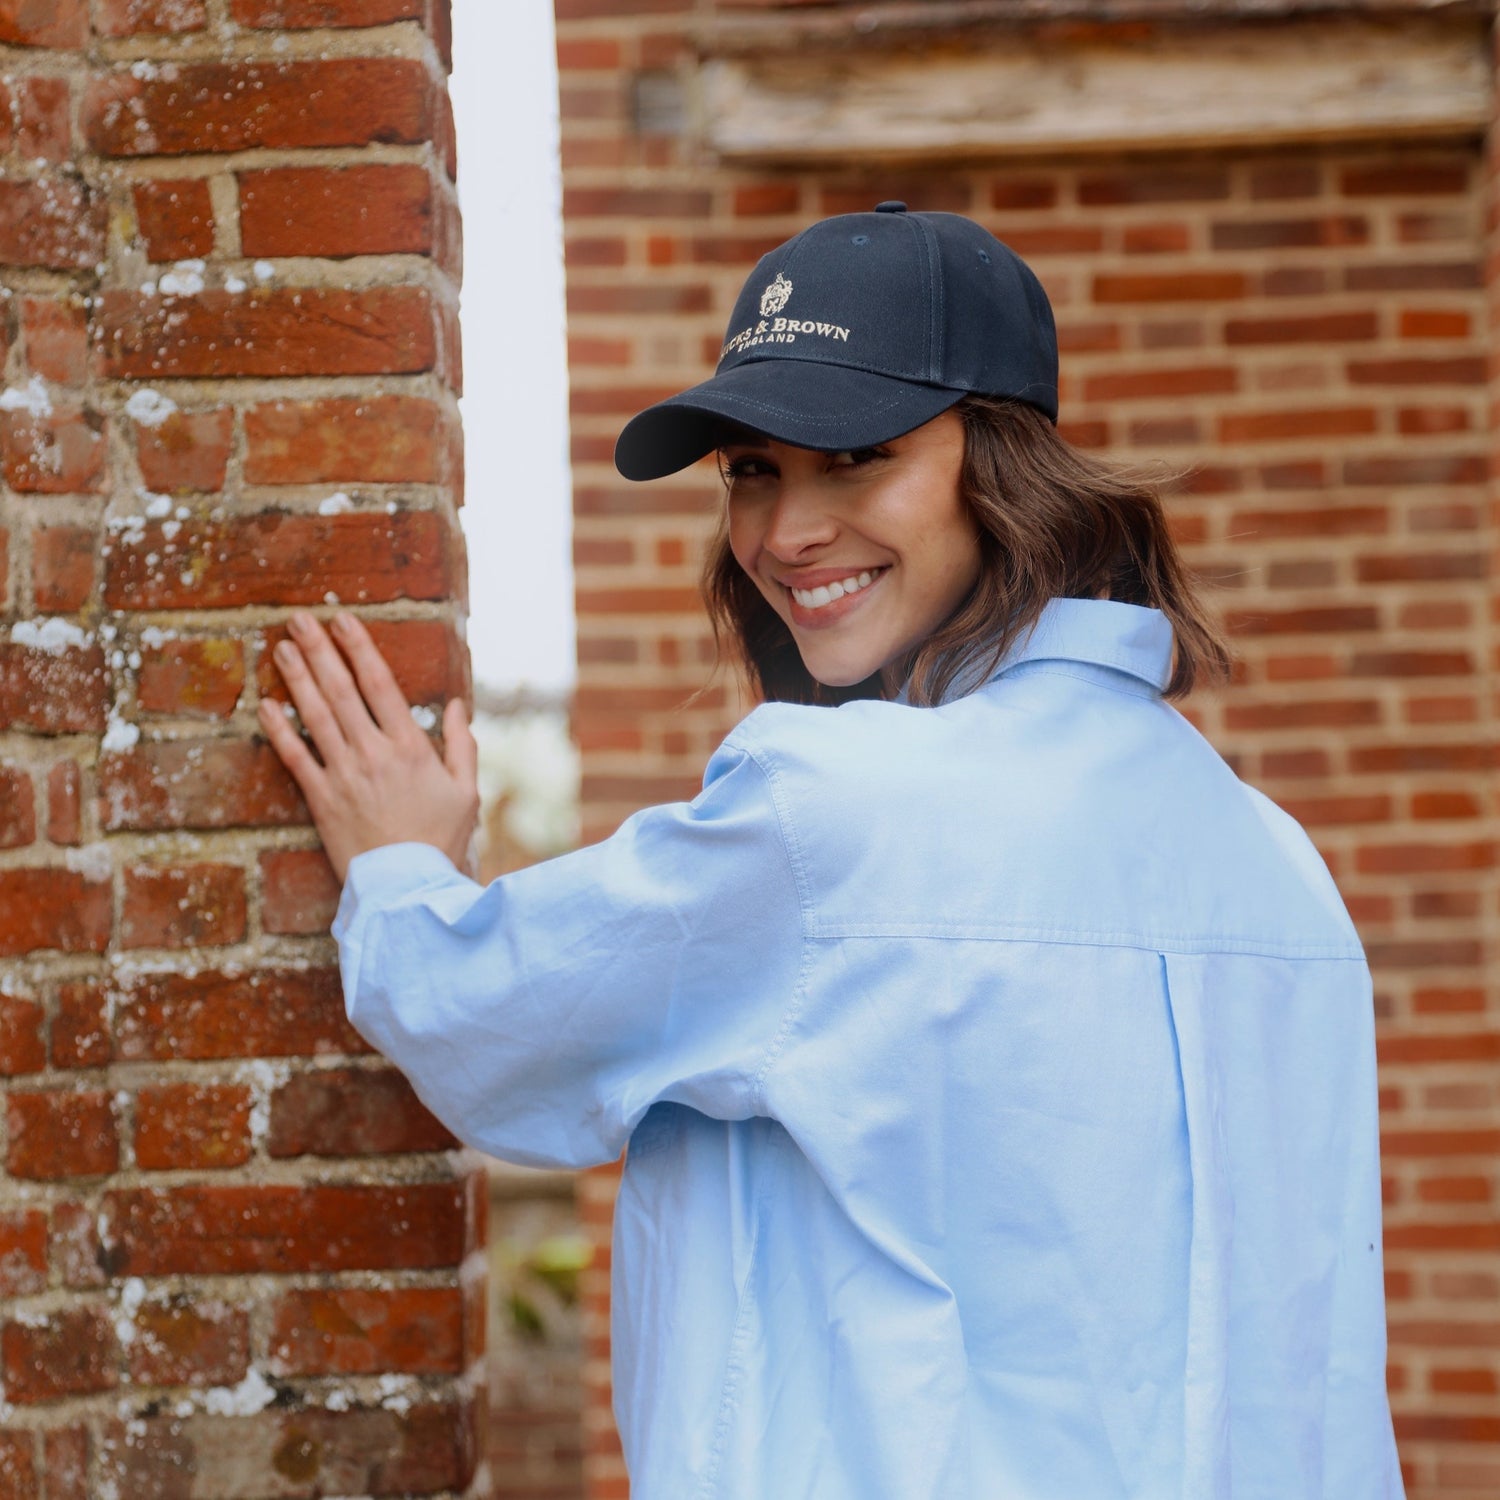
(775, 297)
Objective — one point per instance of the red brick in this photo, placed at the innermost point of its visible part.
(927, 192)
(351, 1331)
(53, 908)
(17, 808)
(80, 1029)
(18, 1471)
(73, 1354)
(1023, 193)
(175, 217)
(130, 17)
(1414, 370)
(1324, 328)
(65, 1462)
(181, 1341)
(419, 1450)
(299, 891)
(1411, 664)
(184, 906)
(55, 330)
(21, 1048)
(77, 1256)
(1156, 239)
(1152, 384)
(1278, 234)
(1404, 179)
(207, 1230)
(1385, 759)
(361, 210)
(23, 1253)
(1276, 426)
(639, 301)
(1183, 286)
(201, 1126)
(273, 332)
(1144, 184)
(275, 558)
(266, 1013)
(1419, 567)
(1425, 420)
(57, 454)
(62, 568)
(199, 678)
(610, 250)
(55, 692)
(291, 15)
(54, 223)
(425, 657)
(64, 796)
(1435, 323)
(44, 23)
(44, 125)
(1055, 239)
(239, 106)
(1320, 713)
(379, 439)
(188, 451)
(197, 784)
(1316, 619)
(1424, 857)
(60, 1134)
(1445, 805)
(1343, 520)
(351, 1112)
(1408, 276)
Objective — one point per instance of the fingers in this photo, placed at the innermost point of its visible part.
(315, 670)
(288, 744)
(312, 706)
(460, 748)
(377, 682)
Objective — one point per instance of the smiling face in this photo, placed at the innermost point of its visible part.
(862, 554)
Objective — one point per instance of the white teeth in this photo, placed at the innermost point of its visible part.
(827, 593)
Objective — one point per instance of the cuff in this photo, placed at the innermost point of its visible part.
(380, 876)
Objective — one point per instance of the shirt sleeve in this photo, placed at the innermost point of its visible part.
(540, 1016)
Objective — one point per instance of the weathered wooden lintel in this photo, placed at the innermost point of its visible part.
(1325, 79)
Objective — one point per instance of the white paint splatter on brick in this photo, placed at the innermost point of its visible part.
(51, 635)
(149, 408)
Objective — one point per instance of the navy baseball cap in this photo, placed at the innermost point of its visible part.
(857, 330)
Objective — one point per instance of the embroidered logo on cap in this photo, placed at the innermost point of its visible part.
(775, 297)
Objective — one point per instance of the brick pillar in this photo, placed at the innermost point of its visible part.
(236, 1257)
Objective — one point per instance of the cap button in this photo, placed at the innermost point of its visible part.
(891, 206)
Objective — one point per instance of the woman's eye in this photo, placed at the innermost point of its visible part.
(857, 458)
(747, 466)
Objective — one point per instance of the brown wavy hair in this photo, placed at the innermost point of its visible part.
(1053, 523)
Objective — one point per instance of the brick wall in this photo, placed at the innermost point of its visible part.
(236, 1257)
(1306, 334)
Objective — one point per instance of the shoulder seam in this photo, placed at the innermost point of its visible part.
(792, 848)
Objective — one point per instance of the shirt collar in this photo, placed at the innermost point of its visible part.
(1128, 637)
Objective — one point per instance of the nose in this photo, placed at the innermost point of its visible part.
(799, 521)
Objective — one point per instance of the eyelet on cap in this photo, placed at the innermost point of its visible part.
(891, 206)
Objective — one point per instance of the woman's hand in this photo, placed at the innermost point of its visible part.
(380, 781)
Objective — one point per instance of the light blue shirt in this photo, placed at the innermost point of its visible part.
(999, 1086)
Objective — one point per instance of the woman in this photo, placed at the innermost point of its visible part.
(996, 1069)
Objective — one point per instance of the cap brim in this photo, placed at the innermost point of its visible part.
(809, 403)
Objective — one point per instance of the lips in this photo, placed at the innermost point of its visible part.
(828, 595)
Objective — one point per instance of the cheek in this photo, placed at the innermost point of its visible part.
(745, 537)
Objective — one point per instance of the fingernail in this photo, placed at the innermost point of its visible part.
(286, 652)
(341, 623)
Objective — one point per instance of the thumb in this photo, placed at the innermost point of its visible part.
(460, 748)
